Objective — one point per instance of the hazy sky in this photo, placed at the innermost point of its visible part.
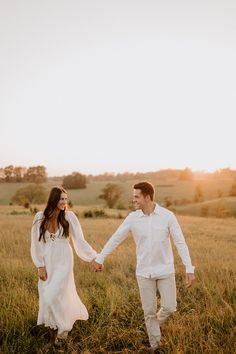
(125, 85)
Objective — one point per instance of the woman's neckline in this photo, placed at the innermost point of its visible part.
(52, 233)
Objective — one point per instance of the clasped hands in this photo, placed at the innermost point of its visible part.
(97, 267)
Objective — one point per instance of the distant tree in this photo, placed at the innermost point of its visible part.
(219, 193)
(19, 173)
(186, 175)
(168, 202)
(232, 192)
(31, 194)
(198, 197)
(226, 173)
(9, 173)
(111, 194)
(74, 181)
(36, 174)
(2, 175)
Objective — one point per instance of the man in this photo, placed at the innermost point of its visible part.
(151, 226)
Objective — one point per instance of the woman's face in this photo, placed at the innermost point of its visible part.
(61, 205)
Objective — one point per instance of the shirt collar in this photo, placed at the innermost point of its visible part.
(155, 211)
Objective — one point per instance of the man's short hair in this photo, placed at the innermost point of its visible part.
(146, 189)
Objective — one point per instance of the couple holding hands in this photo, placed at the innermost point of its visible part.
(151, 226)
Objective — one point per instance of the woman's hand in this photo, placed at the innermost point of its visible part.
(189, 279)
(97, 267)
(42, 273)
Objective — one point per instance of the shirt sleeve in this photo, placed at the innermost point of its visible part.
(36, 245)
(81, 246)
(180, 243)
(120, 235)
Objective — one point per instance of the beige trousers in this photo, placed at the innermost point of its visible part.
(148, 290)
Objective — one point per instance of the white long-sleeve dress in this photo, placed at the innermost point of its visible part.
(59, 303)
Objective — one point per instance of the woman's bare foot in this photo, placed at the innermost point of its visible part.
(52, 335)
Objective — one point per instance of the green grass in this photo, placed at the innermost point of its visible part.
(204, 322)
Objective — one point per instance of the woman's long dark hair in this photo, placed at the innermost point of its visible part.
(53, 200)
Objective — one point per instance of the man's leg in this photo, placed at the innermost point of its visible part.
(148, 289)
(167, 290)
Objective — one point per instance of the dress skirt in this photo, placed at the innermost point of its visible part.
(59, 303)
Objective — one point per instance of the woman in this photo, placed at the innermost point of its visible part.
(52, 230)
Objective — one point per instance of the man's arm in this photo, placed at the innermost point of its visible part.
(182, 248)
(120, 235)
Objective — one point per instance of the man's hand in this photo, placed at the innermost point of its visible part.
(97, 266)
(42, 273)
(189, 279)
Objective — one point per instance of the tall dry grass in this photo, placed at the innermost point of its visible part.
(204, 323)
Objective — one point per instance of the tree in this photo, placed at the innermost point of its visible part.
(74, 181)
(168, 202)
(9, 172)
(198, 197)
(36, 174)
(232, 192)
(2, 174)
(19, 173)
(186, 175)
(111, 194)
(31, 194)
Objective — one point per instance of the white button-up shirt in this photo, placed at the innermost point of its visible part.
(151, 234)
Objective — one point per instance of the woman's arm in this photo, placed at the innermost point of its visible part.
(36, 248)
(81, 246)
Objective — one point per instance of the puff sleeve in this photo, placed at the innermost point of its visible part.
(81, 246)
(36, 246)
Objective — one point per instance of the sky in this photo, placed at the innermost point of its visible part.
(112, 86)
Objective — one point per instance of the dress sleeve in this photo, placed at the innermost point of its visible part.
(81, 246)
(36, 246)
(180, 243)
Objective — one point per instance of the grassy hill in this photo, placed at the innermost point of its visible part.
(219, 207)
(180, 195)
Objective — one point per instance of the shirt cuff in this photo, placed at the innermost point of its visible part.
(190, 269)
(99, 259)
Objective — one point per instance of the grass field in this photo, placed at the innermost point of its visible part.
(204, 323)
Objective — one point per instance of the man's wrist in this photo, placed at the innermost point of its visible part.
(99, 259)
(190, 269)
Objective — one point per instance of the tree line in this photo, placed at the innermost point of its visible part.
(35, 174)
(185, 174)
(38, 174)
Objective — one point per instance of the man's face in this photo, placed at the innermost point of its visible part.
(139, 200)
